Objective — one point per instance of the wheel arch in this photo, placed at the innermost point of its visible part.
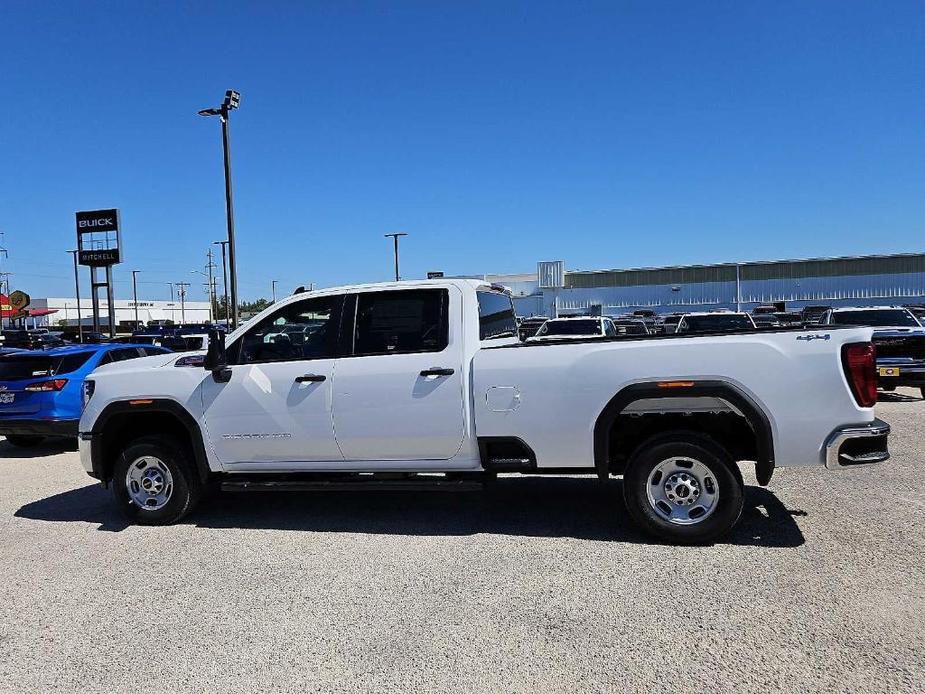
(757, 419)
(124, 420)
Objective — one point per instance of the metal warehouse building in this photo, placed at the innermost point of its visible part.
(848, 281)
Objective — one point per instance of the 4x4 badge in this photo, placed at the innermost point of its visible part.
(814, 336)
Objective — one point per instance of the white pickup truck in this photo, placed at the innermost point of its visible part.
(387, 384)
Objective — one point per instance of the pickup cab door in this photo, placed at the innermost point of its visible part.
(276, 409)
(398, 392)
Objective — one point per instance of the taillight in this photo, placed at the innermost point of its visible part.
(859, 360)
(89, 387)
(53, 385)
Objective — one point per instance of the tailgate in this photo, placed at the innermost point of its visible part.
(15, 400)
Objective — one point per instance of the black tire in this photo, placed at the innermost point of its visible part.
(724, 474)
(176, 457)
(24, 441)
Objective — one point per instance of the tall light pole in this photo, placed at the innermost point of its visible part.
(80, 325)
(172, 315)
(181, 292)
(224, 276)
(273, 289)
(232, 101)
(135, 294)
(395, 238)
(213, 303)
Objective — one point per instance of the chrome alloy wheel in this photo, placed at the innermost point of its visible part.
(149, 483)
(682, 491)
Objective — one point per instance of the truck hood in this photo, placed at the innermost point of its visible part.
(141, 364)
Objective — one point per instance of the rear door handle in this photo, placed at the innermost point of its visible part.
(437, 371)
(310, 378)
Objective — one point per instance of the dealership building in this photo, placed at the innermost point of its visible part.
(51, 311)
(845, 281)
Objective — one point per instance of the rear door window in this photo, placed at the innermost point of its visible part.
(123, 354)
(401, 322)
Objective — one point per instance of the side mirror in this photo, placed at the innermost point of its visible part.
(216, 359)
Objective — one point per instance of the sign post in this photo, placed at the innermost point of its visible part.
(99, 244)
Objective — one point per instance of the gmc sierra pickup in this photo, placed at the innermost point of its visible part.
(380, 384)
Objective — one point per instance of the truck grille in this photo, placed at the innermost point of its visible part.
(911, 347)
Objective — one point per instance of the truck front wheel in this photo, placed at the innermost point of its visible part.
(683, 488)
(155, 482)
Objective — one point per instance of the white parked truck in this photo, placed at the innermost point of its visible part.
(379, 384)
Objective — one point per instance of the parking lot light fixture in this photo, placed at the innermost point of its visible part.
(231, 102)
(395, 238)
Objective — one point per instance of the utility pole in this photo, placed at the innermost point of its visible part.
(273, 289)
(395, 237)
(80, 325)
(181, 292)
(223, 244)
(6, 276)
(135, 295)
(232, 101)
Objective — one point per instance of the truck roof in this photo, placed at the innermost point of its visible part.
(441, 281)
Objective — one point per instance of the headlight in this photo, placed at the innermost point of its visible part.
(88, 391)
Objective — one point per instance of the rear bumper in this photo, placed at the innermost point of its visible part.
(66, 428)
(909, 374)
(857, 445)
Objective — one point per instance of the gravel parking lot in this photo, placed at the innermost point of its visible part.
(540, 585)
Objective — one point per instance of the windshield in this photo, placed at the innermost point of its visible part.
(16, 367)
(876, 318)
(571, 327)
(631, 327)
(716, 322)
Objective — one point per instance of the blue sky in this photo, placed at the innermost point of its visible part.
(496, 134)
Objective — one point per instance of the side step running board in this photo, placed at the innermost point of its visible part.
(357, 482)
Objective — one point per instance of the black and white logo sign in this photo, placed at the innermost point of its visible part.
(100, 257)
(97, 220)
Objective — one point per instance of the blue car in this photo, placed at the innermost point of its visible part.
(41, 390)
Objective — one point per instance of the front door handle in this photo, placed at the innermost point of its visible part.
(437, 371)
(310, 378)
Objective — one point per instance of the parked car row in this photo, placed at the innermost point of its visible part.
(899, 335)
(41, 390)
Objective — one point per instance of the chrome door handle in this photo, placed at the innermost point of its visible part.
(310, 378)
(437, 371)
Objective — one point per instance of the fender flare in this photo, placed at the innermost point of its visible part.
(147, 406)
(724, 390)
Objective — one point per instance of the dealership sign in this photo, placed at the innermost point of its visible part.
(97, 220)
(19, 300)
(99, 238)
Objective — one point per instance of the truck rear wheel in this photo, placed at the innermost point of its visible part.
(683, 488)
(155, 482)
